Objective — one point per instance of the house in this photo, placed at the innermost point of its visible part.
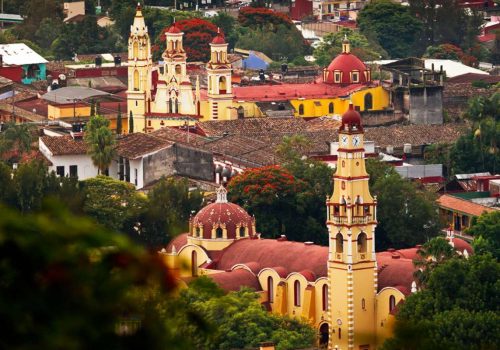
(27, 65)
(254, 60)
(459, 210)
(72, 9)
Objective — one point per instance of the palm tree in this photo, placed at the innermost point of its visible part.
(431, 254)
(100, 142)
(17, 137)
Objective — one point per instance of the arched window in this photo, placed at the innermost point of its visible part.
(198, 231)
(339, 240)
(222, 85)
(362, 242)
(323, 331)
(392, 303)
(270, 289)
(331, 108)
(324, 294)
(301, 109)
(194, 264)
(136, 80)
(242, 231)
(296, 293)
(368, 101)
(136, 49)
(178, 69)
(218, 232)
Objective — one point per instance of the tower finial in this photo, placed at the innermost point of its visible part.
(221, 194)
(346, 47)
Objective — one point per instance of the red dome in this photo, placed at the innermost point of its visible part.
(219, 39)
(173, 29)
(351, 117)
(221, 214)
(346, 64)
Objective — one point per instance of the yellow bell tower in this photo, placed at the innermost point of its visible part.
(351, 222)
(220, 93)
(139, 71)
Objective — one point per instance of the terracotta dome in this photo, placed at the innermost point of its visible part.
(219, 39)
(173, 29)
(222, 220)
(351, 118)
(349, 68)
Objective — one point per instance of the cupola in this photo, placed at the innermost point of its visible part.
(351, 120)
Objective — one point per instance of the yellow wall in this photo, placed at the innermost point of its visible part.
(385, 321)
(380, 101)
(67, 111)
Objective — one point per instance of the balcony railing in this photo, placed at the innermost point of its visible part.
(342, 220)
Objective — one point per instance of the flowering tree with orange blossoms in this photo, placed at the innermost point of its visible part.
(258, 17)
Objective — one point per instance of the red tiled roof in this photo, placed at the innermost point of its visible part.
(178, 242)
(486, 37)
(134, 145)
(471, 77)
(346, 63)
(234, 280)
(64, 145)
(462, 205)
(285, 92)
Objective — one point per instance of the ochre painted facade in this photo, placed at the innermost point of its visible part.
(173, 101)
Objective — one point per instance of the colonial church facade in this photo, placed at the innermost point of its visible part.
(172, 100)
(347, 291)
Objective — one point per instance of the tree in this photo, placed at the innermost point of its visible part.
(131, 123)
(226, 23)
(262, 17)
(485, 230)
(459, 308)
(392, 25)
(432, 254)
(407, 216)
(331, 46)
(17, 138)
(49, 30)
(68, 282)
(35, 11)
(100, 142)
(238, 320)
(112, 203)
(170, 203)
(119, 121)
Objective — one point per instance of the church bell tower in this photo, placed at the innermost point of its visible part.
(139, 70)
(351, 222)
(220, 94)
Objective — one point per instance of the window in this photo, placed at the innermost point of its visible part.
(325, 297)
(337, 77)
(270, 289)
(363, 304)
(242, 232)
(136, 80)
(241, 112)
(339, 240)
(73, 170)
(121, 169)
(362, 242)
(368, 101)
(301, 109)
(178, 69)
(60, 171)
(218, 232)
(367, 210)
(355, 77)
(198, 231)
(330, 108)
(336, 210)
(194, 264)
(296, 293)
(127, 170)
(149, 122)
(392, 303)
(136, 176)
(222, 85)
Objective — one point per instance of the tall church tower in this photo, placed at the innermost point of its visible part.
(351, 222)
(139, 70)
(220, 93)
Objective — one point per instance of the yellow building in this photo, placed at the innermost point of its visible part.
(346, 291)
(173, 101)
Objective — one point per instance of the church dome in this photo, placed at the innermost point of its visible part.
(222, 220)
(346, 68)
(173, 29)
(351, 118)
(219, 39)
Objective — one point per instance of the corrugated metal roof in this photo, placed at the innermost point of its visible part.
(470, 176)
(20, 54)
(72, 94)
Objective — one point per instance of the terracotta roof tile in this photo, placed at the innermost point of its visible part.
(234, 280)
(135, 145)
(457, 204)
(64, 145)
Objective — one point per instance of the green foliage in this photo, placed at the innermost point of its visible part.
(432, 254)
(67, 283)
(49, 30)
(407, 216)
(392, 25)
(227, 25)
(459, 309)
(287, 199)
(17, 138)
(237, 320)
(167, 211)
(485, 230)
(331, 46)
(112, 203)
(100, 142)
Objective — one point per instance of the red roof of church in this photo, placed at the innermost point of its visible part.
(286, 92)
(234, 280)
(173, 29)
(346, 63)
